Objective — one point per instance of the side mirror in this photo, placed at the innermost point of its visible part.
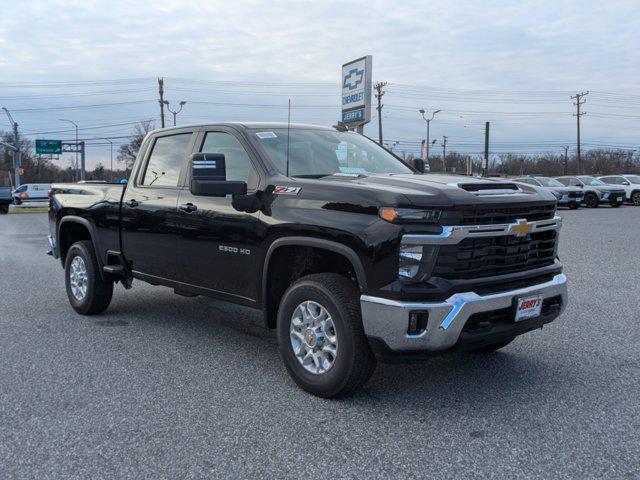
(420, 165)
(209, 176)
(626, 183)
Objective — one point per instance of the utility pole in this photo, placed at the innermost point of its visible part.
(111, 146)
(578, 102)
(444, 153)
(428, 120)
(379, 86)
(161, 100)
(566, 159)
(15, 148)
(176, 112)
(485, 160)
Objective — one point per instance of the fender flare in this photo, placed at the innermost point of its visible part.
(92, 233)
(319, 243)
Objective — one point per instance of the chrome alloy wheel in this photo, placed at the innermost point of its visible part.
(313, 337)
(78, 278)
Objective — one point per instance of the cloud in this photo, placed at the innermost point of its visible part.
(537, 50)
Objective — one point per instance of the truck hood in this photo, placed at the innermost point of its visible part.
(426, 190)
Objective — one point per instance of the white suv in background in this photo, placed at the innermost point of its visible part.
(630, 183)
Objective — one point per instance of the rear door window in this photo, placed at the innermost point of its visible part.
(166, 160)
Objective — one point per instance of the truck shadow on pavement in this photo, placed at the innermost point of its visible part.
(520, 374)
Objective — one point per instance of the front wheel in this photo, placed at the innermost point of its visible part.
(321, 337)
(4, 209)
(87, 291)
(591, 200)
(574, 206)
(635, 199)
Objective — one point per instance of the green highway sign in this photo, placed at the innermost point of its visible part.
(49, 147)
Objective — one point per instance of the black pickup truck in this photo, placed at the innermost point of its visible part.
(352, 255)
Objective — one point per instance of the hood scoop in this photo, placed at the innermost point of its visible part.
(490, 188)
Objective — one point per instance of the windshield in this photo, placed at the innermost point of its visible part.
(549, 182)
(591, 181)
(635, 179)
(317, 153)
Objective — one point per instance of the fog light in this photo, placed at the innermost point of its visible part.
(417, 322)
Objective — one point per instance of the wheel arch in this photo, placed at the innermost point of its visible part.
(71, 229)
(269, 304)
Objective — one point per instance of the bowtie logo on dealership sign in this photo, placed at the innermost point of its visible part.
(356, 92)
(521, 228)
(353, 79)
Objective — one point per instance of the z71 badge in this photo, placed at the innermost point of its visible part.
(285, 190)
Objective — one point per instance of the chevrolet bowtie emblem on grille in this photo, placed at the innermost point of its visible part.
(521, 227)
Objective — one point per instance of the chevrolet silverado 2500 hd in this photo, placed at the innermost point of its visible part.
(350, 254)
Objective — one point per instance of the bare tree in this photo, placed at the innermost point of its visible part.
(127, 153)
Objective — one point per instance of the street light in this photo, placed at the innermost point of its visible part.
(111, 146)
(175, 113)
(428, 120)
(15, 148)
(76, 149)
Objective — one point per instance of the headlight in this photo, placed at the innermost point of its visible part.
(416, 261)
(409, 215)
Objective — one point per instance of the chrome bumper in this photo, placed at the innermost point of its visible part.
(52, 246)
(388, 320)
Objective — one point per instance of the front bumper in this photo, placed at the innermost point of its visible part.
(388, 320)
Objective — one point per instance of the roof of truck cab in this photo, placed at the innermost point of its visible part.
(247, 125)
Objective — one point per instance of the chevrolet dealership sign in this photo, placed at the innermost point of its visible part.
(356, 91)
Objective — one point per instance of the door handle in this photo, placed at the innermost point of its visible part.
(133, 203)
(188, 207)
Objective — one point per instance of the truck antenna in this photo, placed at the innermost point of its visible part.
(288, 130)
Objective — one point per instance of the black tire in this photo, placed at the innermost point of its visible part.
(591, 200)
(17, 201)
(493, 347)
(635, 199)
(354, 362)
(4, 209)
(574, 206)
(98, 291)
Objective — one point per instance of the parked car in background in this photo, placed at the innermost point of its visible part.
(31, 192)
(570, 197)
(630, 183)
(595, 191)
(5, 200)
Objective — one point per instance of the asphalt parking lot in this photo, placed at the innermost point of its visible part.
(162, 386)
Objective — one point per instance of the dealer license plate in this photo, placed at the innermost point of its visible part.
(528, 307)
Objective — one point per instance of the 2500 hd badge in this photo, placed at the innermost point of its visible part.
(348, 268)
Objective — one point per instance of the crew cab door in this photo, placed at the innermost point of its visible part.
(149, 213)
(217, 243)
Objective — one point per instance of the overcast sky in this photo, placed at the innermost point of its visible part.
(505, 62)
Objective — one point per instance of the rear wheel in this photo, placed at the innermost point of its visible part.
(321, 337)
(87, 291)
(616, 204)
(591, 200)
(4, 209)
(635, 199)
(493, 347)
